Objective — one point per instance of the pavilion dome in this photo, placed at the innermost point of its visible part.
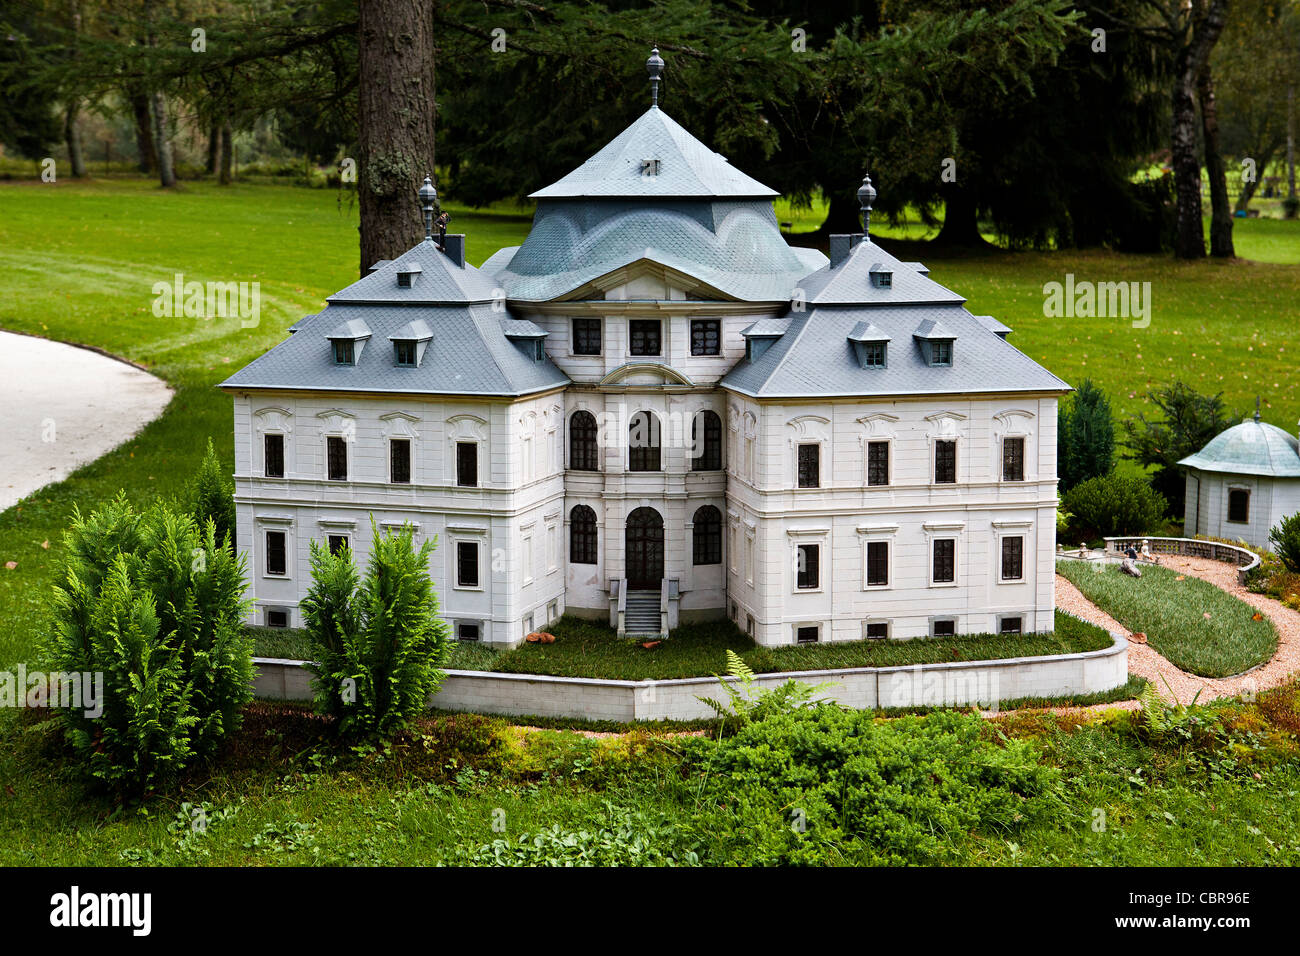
(1250, 448)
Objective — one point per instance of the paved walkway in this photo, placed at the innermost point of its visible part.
(62, 406)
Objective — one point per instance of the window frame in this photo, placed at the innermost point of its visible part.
(344, 541)
(934, 461)
(459, 584)
(342, 347)
(706, 545)
(266, 439)
(1018, 618)
(878, 544)
(392, 461)
(889, 462)
(707, 326)
(801, 565)
(800, 628)
(800, 448)
(1228, 510)
(1009, 442)
(935, 582)
(1003, 542)
(578, 546)
(710, 458)
(941, 353)
(943, 619)
(580, 441)
(640, 328)
(333, 442)
(283, 549)
(585, 333)
(639, 456)
(462, 457)
(403, 345)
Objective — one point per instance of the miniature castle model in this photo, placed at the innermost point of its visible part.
(656, 411)
(1242, 483)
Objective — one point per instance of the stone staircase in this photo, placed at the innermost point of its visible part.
(642, 618)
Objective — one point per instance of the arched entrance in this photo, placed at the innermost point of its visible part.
(645, 549)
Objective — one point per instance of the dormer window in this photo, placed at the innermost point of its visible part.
(941, 352)
(881, 277)
(873, 355)
(649, 167)
(404, 350)
(870, 345)
(347, 340)
(761, 336)
(344, 354)
(936, 343)
(406, 274)
(409, 343)
(527, 336)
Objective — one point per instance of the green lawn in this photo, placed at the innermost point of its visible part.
(1196, 626)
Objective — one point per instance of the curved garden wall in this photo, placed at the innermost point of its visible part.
(1244, 559)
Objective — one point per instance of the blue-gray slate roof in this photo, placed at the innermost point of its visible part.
(439, 281)
(1250, 448)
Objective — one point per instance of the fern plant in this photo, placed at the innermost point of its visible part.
(745, 704)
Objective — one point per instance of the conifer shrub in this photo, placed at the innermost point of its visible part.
(377, 642)
(211, 495)
(1285, 538)
(151, 603)
(1115, 504)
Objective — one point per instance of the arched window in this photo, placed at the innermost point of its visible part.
(708, 445)
(582, 535)
(584, 454)
(708, 535)
(643, 442)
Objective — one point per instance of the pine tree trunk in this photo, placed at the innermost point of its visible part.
(1220, 206)
(72, 136)
(227, 173)
(1192, 60)
(395, 112)
(1290, 142)
(163, 146)
(214, 148)
(148, 162)
(1263, 158)
(960, 220)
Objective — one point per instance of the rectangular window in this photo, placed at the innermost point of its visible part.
(810, 466)
(277, 617)
(941, 353)
(405, 353)
(343, 352)
(749, 624)
(876, 630)
(878, 463)
(1013, 558)
(644, 337)
(273, 461)
(877, 563)
(466, 631)
(809, 572)
(336, 450)
(399, 455)
(586, 336)
(945, 462)
(467, 464)
(275, 552)
(945, 628)
(1013, 459)
(873, 354)
(706, 336)
(806, 635)
(1238, 505)
(467, 564)
(1010, 625)
(945, 561)
(337, 543)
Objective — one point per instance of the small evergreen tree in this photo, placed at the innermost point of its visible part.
(211, 495)
(1189, 421)
(1115, 504)
(378, 641)
(1086, 447)
(1285, 538)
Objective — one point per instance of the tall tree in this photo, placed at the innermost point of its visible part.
(395, 112)
(1188, 420)
(1086, 448)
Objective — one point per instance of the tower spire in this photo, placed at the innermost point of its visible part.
(654, 67)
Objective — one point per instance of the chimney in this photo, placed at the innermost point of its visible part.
(843, 244)
(454, 248)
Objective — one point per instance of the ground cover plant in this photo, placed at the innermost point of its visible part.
(1195, 625)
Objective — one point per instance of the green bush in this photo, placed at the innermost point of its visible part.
(156, 607)
(1086, 446)
(212, 495)
(376, 643)
(826, 785)
(1115, 504)
(1285, 538)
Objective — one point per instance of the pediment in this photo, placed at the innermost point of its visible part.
(643, 268)
(645, 373)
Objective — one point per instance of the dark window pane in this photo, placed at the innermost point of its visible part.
(399, 453)
(274, 463)
(878, 629)
(337, 543)
(467, 464)
(878, 463)
(277, 618)
(706, 336)
(275, 552)
(586, 337)
(643, 442)
(467, 564)
(945, 628)
(1238, 505)
(343, 351)
(1013, 459)
(1013, 558)
(945, 462)
(1010, 625)
(940, 353)
(337, 453)
(877, 562)
(707, 544)
(584, 455)
(405, 353)
(644, 336)
(873, 354)
(467, 632)
(806, 635)
(945, 552)
(582, 535)
(810, 466)
(710, 452)
(809, 555)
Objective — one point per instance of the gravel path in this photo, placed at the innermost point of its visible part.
(63, 407)
(1146, 662)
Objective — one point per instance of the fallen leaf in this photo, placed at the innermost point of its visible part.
(1257, 616)
(1181, 577)
(1206, 615)
(11, 565)
(45, 544)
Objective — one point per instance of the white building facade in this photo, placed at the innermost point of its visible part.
(656, 411)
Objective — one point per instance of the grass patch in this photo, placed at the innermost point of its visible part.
(1195, 625)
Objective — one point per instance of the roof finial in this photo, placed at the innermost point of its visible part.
(1256, 408)
(428, 196)
(866, 196)
(654, 66)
